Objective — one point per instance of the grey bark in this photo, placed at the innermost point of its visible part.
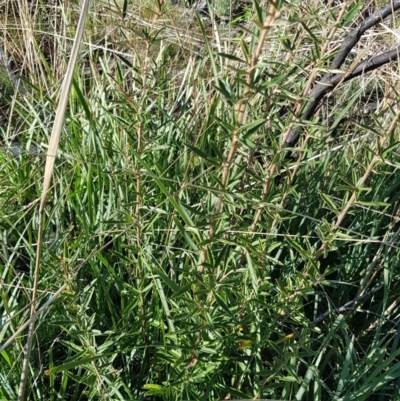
(329, 81)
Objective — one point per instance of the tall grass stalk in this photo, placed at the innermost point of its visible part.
(50, 160)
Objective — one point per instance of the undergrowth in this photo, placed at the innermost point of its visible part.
(187, 254)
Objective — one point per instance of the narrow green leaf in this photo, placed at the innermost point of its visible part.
(252, 127)
(185, 234)
(75, 363)
(82, 99)
(6, 357)
(351, 14)
(376, 204)
(225, 90)
(343, 111)
(207, 44)
(294, 244)
(203, 155)
(231, 57)
(223, 305)
(171, 284)
(328, 201)
(389, 149)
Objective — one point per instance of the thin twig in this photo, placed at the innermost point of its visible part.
(240, 113)
(274, 167)
(360, 184)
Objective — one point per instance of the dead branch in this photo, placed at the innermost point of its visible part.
(329, 81)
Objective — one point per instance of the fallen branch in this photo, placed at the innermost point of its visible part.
(346, 306)
(329, 81)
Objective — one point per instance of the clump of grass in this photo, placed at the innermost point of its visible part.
(185, 256)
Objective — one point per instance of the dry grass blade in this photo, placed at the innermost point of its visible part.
(51, 155)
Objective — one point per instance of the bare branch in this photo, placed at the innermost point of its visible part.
(346, 306)
(374, 63)
(329, 81)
